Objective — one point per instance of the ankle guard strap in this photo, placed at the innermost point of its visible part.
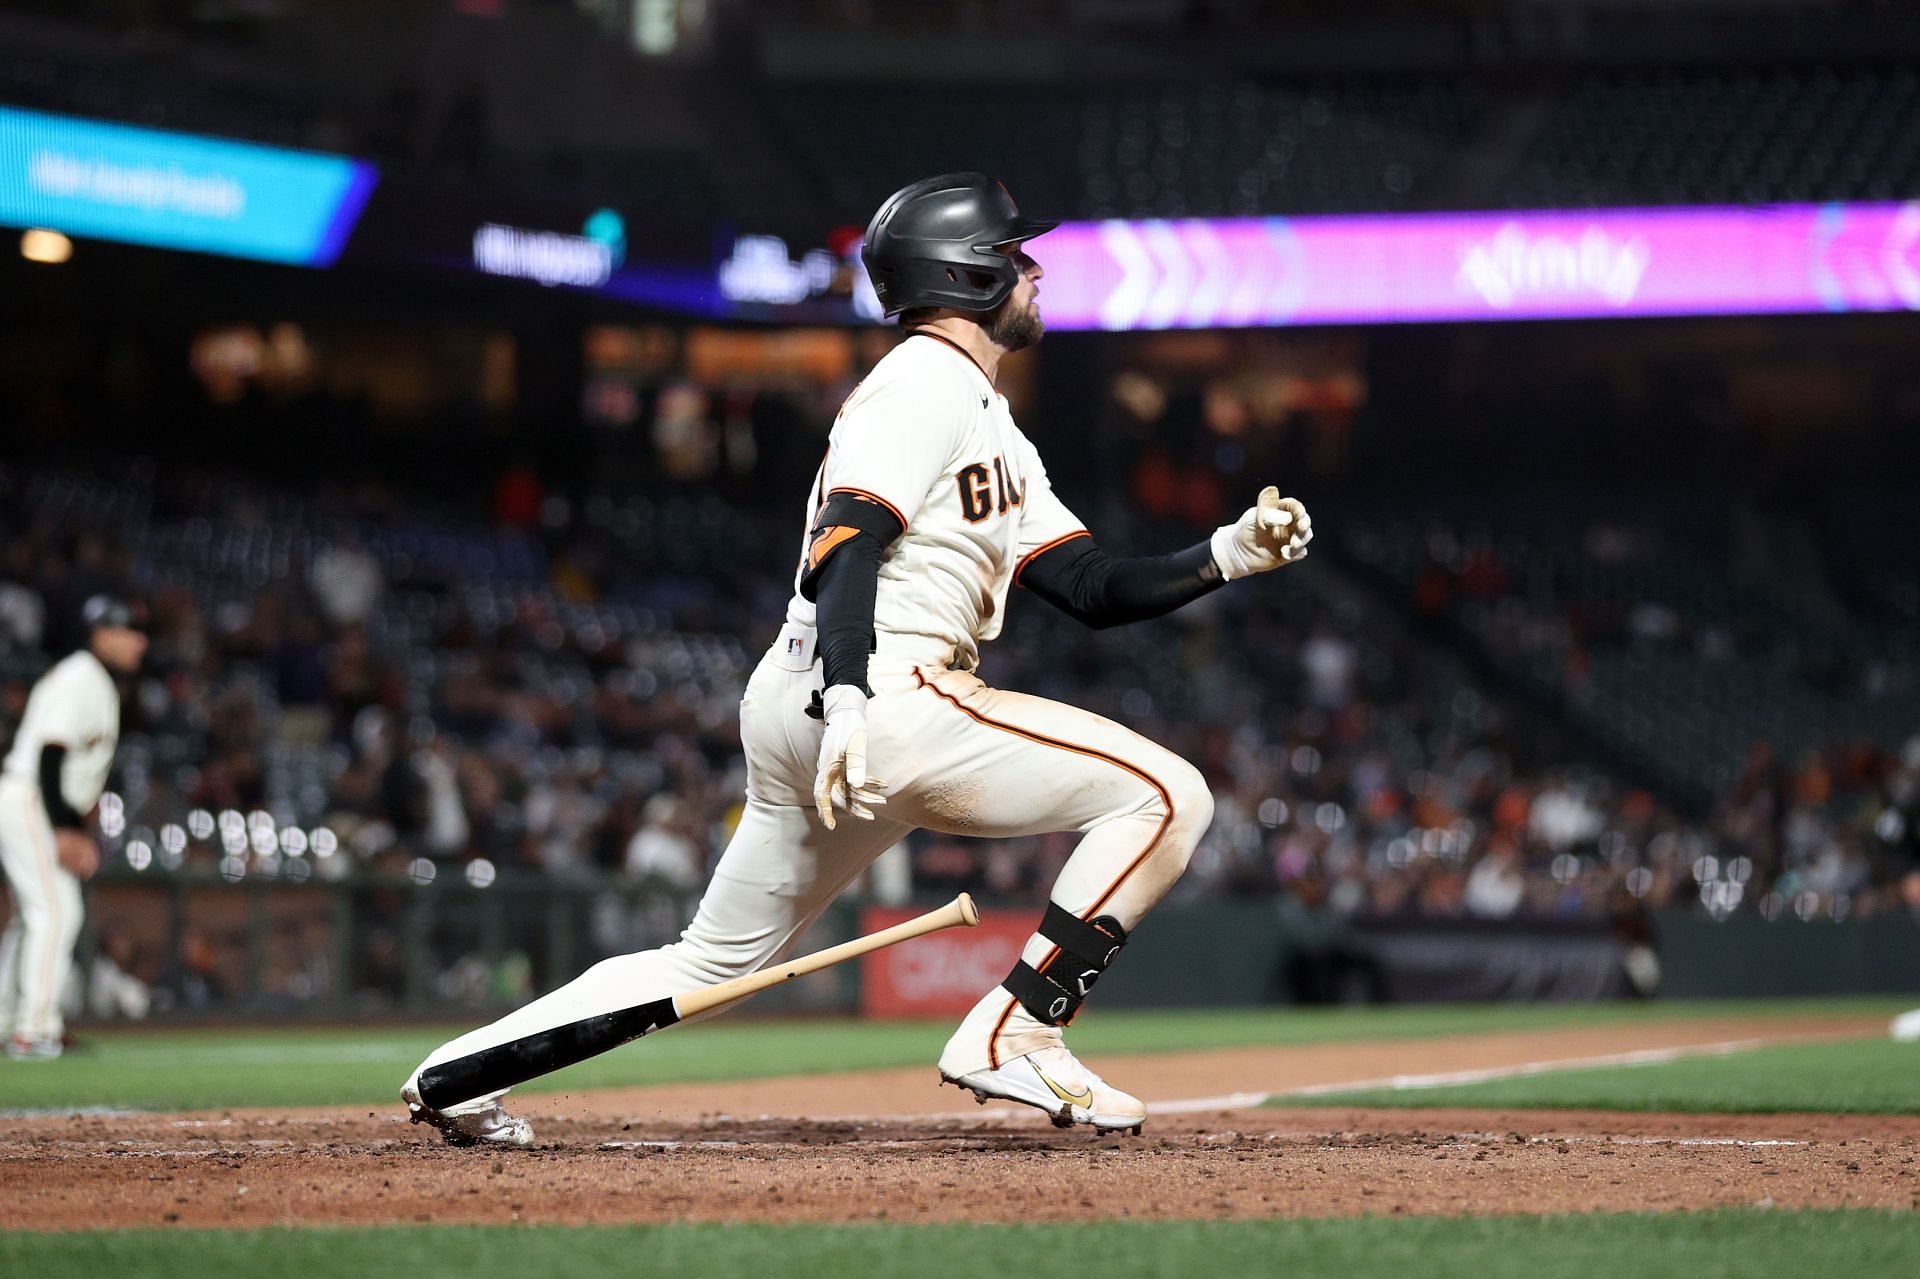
(1053, 994)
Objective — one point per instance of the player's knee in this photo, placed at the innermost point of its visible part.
(1191, 801)
(71, 909)
(37, 915)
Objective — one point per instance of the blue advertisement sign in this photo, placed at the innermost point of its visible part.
(178, 190)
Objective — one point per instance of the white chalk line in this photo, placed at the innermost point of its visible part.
(1685, 1141)
(1445, 1079)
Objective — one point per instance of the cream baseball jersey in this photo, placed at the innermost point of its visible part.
(928, 437)
(74, 705)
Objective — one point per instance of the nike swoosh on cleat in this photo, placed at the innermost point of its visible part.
(1082, 1099)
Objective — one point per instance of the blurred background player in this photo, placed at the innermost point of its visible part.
(930, 506)
(53, 778)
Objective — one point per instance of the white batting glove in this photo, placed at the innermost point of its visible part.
(1274, 531)
(842, 777)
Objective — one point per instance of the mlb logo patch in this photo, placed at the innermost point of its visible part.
(795, 646)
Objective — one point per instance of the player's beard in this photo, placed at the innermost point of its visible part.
(1014, 328)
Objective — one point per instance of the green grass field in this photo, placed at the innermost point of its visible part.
(1868, 1076)
(1735, 1244)
(213, 1068)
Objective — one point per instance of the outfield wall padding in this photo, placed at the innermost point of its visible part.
(1748, 955)
(1260, 951)
(1270, 951)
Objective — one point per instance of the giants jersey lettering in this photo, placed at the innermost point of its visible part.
(928, 437)
(74, 705)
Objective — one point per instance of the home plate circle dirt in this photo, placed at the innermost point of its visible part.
(662, 1154)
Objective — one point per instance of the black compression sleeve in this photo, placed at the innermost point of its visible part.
(1093, 587)
(59, 811)
(845, 587)
(841, 577)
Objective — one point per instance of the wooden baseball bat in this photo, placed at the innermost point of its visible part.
(956, 913)
(502, 1066)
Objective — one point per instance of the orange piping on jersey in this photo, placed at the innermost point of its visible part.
(1027, 559)
(929, 333)
(874, 498)
(1166, 802)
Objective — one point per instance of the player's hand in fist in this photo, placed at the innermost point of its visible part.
(1274, 531)
(842, 777)
(76, 852)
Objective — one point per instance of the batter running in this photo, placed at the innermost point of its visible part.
(865, 720)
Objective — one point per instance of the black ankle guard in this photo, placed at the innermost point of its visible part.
(1053, 994)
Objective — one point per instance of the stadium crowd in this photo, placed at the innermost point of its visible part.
(1356, 763)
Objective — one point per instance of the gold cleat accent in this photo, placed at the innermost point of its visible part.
(1081, 1099)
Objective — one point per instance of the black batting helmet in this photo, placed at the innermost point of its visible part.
(936, 243)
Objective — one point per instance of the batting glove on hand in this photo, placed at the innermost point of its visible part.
(1274, 531)
(842, 778)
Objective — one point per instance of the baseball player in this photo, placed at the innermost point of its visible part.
(866, 718)
(52, 778)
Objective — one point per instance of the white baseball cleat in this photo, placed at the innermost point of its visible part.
(1052, 1079)
(489, 1126)
(21, 1048)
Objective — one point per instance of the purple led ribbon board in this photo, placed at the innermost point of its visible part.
(1384, 268)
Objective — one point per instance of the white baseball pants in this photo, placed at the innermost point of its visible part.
(957, 756)
(36, 951)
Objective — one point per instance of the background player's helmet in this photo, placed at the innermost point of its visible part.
(933, 244)
(108, 610)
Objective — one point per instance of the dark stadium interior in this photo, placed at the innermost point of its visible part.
(459, 578)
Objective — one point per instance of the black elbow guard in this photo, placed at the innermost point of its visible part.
(844, 517)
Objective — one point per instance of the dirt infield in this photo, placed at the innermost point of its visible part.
(889, 1145)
